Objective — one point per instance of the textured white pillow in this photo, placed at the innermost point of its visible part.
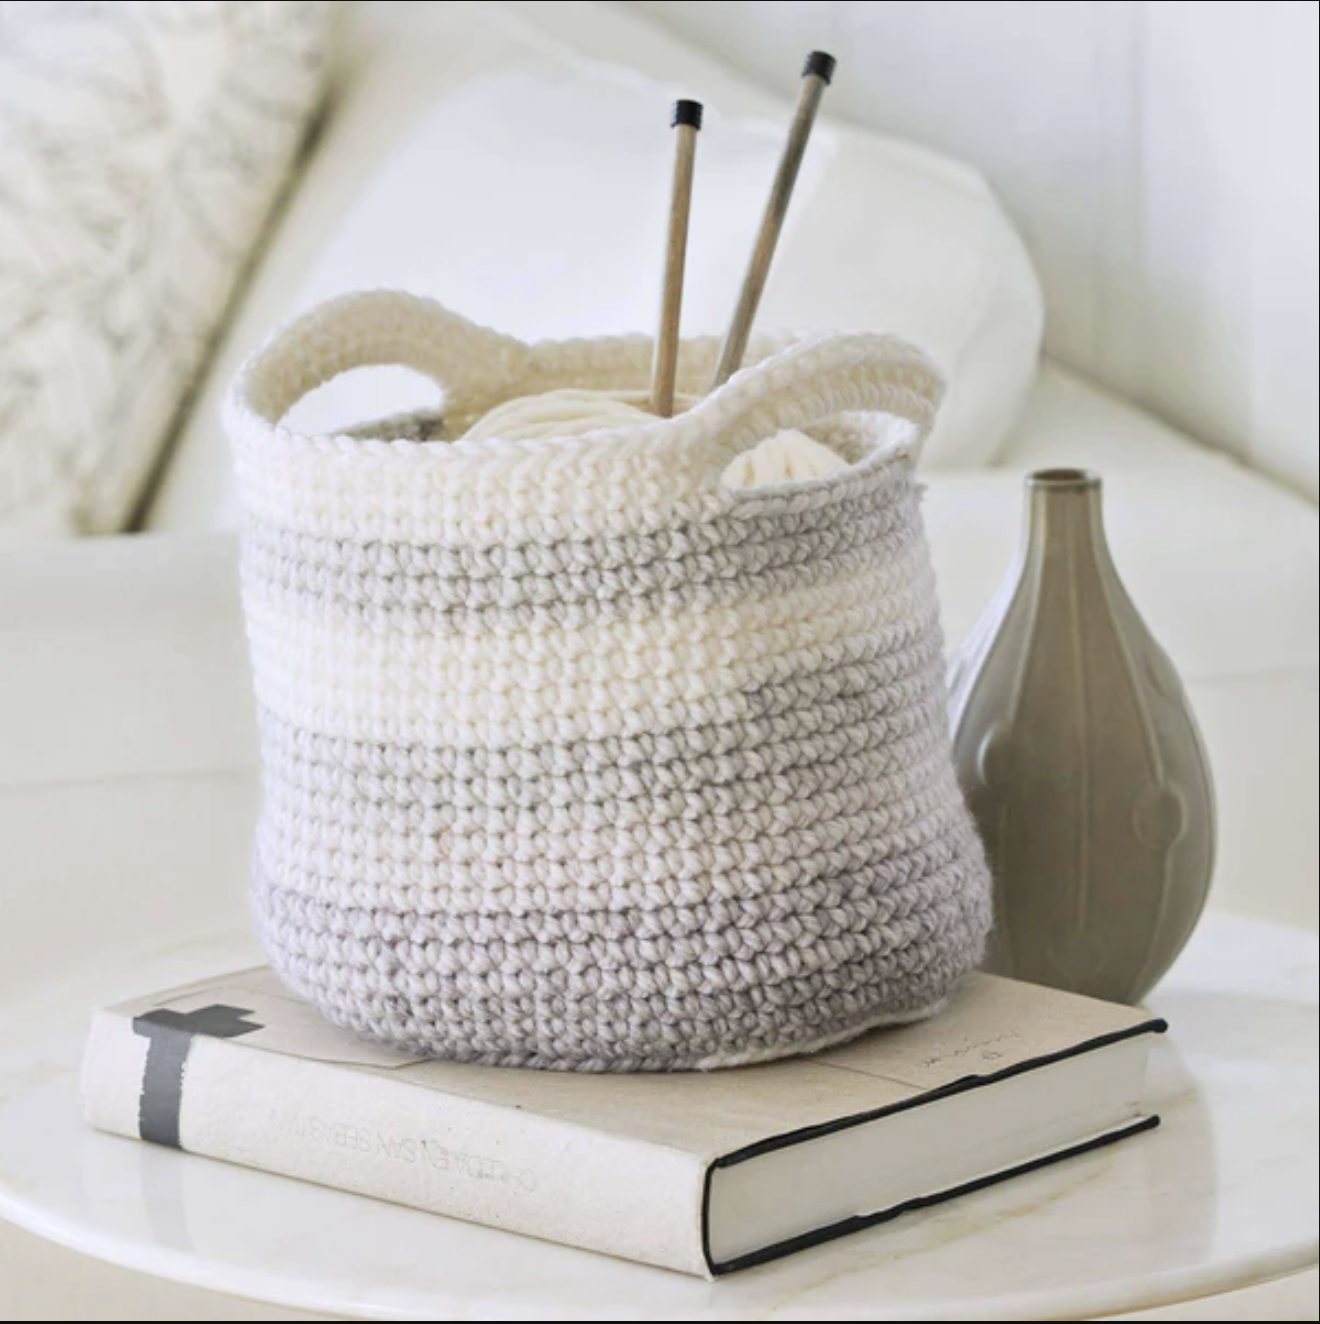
(141, 147)
(484, 161)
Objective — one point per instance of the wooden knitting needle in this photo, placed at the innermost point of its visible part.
(816, 75)
(686, 121)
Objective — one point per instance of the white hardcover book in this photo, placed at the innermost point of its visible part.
(703, 1172)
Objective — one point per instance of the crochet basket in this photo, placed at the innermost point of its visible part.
(575, 757)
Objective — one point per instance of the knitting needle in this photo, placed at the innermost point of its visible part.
(816, 75)
(686, 121)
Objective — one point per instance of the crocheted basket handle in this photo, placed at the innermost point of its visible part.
(795, 383)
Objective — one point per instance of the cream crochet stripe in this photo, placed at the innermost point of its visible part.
(575, 757)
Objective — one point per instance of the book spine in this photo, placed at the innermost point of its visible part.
(362, 1131)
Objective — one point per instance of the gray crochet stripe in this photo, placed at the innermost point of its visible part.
(524, 883)
(421, 606)
(776, 775)
(857, 901)
(712, 815)
(781, 843)
(767, 531)
(609, 960)
(660, 1004)
(390, 591)
(726, 544)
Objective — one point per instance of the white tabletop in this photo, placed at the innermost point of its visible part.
(1223, 1195)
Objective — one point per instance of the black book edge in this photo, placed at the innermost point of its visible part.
(962, 1085)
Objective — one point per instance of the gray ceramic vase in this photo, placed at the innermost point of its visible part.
(1082, 763)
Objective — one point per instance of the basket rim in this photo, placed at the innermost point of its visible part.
(793, 381)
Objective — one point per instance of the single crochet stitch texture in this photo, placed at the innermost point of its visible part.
(575, 757)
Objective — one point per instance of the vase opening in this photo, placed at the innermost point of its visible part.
(1064, 480)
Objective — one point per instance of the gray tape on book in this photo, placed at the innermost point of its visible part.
(169, 1036)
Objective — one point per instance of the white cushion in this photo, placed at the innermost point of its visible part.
(141, 148)
(475, 158)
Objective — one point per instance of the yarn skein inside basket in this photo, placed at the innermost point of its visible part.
(621, 749)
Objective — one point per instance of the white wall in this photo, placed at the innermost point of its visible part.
(1160, 156)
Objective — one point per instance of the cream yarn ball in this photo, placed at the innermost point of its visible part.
(787, 456)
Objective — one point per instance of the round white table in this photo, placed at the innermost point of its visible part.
(1222, 1196)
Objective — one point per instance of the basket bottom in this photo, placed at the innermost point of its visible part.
(536, 1060)
(723, 981)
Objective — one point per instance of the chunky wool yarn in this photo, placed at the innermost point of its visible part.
(576, 756)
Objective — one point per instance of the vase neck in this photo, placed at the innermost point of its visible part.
(1065, 519)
